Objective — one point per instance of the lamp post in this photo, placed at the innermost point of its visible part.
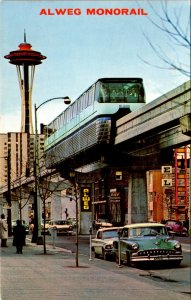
(8, 158)
(38, 238)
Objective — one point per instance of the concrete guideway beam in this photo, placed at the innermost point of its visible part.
(164, 112)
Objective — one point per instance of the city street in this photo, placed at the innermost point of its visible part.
(171, 278)
(34, 275)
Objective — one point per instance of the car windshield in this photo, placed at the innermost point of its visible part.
(61, 222)
(110, 234)
(46, 221)
(147, 231)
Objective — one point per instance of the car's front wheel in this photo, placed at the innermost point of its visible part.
(176, 263)
(104, 254)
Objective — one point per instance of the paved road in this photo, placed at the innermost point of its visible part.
(34, 276)
(162, 274)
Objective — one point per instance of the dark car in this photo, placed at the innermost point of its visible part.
(175, 227)
(14, 223)
(72, 221)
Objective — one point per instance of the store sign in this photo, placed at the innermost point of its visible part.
(166, 182)
(115, 196)
(86, 199)
(167, 169)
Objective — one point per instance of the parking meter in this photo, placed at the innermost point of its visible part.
(53, 232)
(119, 247)
(90, 232)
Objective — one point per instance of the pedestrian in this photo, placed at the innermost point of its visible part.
(19, 237)
(3, 231)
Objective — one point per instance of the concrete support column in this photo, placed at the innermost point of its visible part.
(129, 218)
(137, 198)
(85, 222)
(56, 207)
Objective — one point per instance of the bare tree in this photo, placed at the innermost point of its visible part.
(48, 183)
(169, 22)
(21, 194)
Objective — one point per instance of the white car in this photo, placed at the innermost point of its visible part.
(61, 226)
(44, 229)
(103, 242)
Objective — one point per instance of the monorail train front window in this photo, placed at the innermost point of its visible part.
(123, 92)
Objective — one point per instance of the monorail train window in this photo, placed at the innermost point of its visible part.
(91, 94)
(65, 119)
(78, 106)
(104, 93)
(86, 99)
(120, 92)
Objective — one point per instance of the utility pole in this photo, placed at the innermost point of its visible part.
(9, 193)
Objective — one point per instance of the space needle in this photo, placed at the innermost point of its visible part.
(25, 60)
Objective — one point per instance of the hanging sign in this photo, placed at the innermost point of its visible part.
(86, 199)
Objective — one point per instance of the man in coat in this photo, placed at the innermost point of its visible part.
(19, 237)
(3, 231)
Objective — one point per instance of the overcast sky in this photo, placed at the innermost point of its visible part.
(80, 49)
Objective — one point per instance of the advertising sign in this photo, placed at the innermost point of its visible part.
(86, 199)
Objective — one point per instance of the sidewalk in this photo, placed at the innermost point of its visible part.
(33, 275)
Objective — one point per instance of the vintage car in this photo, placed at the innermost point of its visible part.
(62, 227)
(147, 242)
(45, 226)
(175, 227)
(72, 221)
(14, 223)
(103, 242)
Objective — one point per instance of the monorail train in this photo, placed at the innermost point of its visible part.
(91, 119)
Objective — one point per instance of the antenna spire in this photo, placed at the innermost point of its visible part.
(24, 36)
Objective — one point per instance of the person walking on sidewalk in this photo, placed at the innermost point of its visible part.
(3, 231)
(19, 237)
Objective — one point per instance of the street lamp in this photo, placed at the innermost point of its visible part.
(38, 238)
(8, 158)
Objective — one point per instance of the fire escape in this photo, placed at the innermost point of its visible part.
(181, 183)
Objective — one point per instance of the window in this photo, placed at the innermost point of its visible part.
(110, 234)
(120, 92)
(125, 232)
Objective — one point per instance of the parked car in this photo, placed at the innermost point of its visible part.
(147, 242)
(44, 229)
(72, 221)
(61, 226)
(101, 223)
(103, 242)
(14, 223)
(176, 227)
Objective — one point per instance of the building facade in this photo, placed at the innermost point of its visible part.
(17, 156)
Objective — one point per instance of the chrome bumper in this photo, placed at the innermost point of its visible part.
(156, 258)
